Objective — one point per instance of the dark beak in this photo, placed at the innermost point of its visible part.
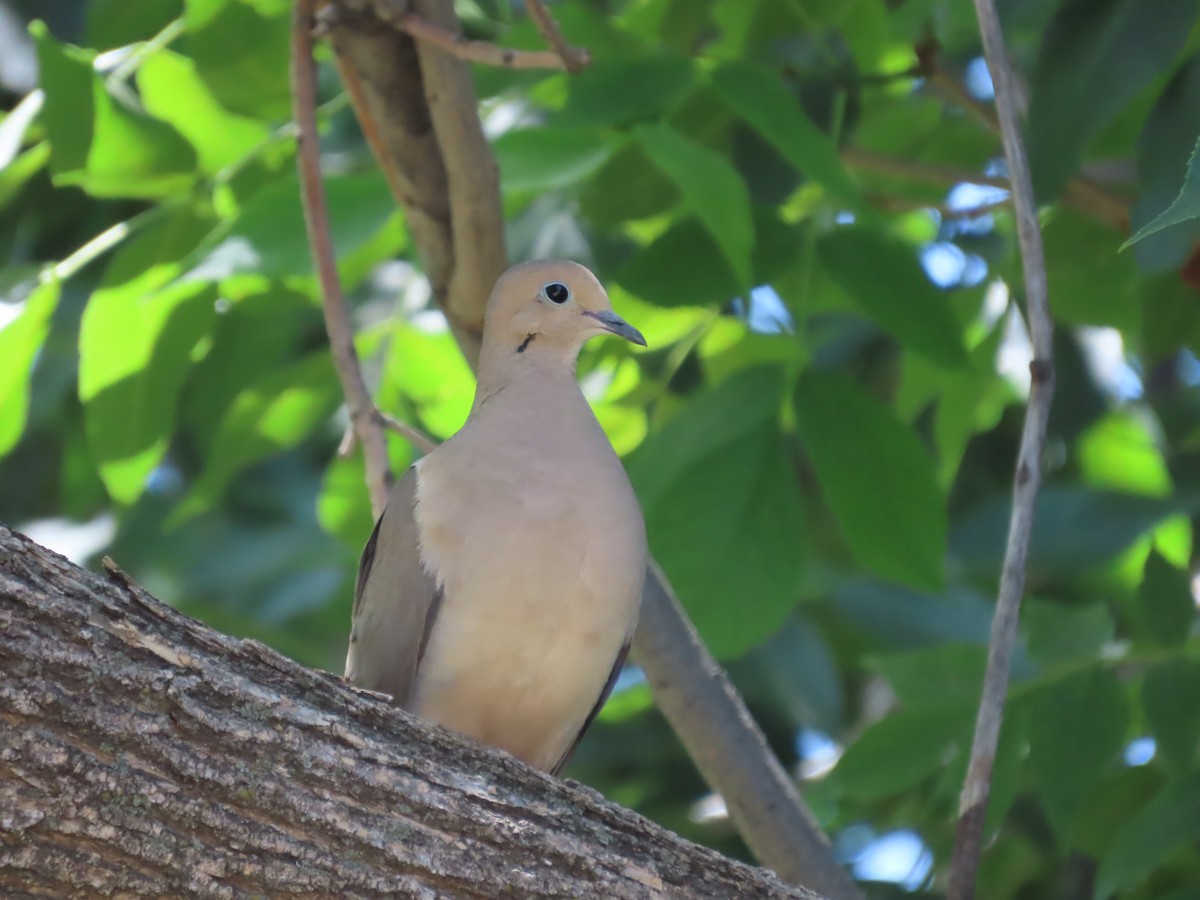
(614, 323)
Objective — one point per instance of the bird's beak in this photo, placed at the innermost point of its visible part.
(614, 323)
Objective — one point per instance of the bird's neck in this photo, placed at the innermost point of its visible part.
(501, 365)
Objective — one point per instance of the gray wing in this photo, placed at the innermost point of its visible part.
(395, 602)
(608, 686)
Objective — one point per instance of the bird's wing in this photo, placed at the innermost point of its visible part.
(608, 687)
(395, 603)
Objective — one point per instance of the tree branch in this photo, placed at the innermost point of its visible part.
(972, 807)
(573, 58)
(316, 219)
(144, 754)
(477, 51)
(447, 183)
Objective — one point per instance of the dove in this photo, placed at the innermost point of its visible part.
(500, 589)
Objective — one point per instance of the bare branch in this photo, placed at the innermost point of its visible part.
(476, 51)
(316, 218)
(972, 807)
(930, 173)
(414, 436)
(573, 58)
(705, 709)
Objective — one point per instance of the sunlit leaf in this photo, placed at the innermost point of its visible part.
(20, 341)
(710, 188)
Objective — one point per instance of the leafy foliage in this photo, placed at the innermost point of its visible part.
(796, 203)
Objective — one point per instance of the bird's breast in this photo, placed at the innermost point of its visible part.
(541, 559)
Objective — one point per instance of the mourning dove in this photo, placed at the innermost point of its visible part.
(500, 589)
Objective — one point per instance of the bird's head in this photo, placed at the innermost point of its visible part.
(550, 307)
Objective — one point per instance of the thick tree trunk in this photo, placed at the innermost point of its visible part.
(143, 754)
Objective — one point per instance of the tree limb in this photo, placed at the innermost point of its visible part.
(337, 320)
(418, 109)
(144, 754)
(972, 806)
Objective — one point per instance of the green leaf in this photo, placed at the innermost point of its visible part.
(255, 333)
(172, 91)
(729, 532)
(236, 43)
(97, 143)
(116, 23)
(1164, 148)
(1185, 206)
(1166, 609)
(20, 341)
(543, 159)
(15, 175)
(1060, 635)
(760, 96)
(616, 90)
(723, 511)
(273, 414)
(947, 675)
(877, 478)
(1164, 826)
(711, 188)
(135, 352)
(1096, 57)
(705, 426)
(136, 340)
(1077, 728)
(1171, 699)
(268, 237)
(885, 278)
(430, 374)
(1089, 283)
(1075, 530)
(899, 752)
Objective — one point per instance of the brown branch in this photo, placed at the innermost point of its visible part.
(573, 58)
(972, 807)
(144, 754)
(929, 173)
(316, 219)
(725, 743)
(466, 49)
(418, 110)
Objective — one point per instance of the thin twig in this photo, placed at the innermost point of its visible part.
(476, 51)
(972, 809)
(316, 217)
(414, 436)
(574, 58)
(929, 173)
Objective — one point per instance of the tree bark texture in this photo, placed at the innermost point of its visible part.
(144, 754)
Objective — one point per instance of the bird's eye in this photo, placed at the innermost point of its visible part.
(556, 292)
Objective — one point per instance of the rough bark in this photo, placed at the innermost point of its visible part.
(144, 754)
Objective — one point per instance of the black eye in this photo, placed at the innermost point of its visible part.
(556, 292)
